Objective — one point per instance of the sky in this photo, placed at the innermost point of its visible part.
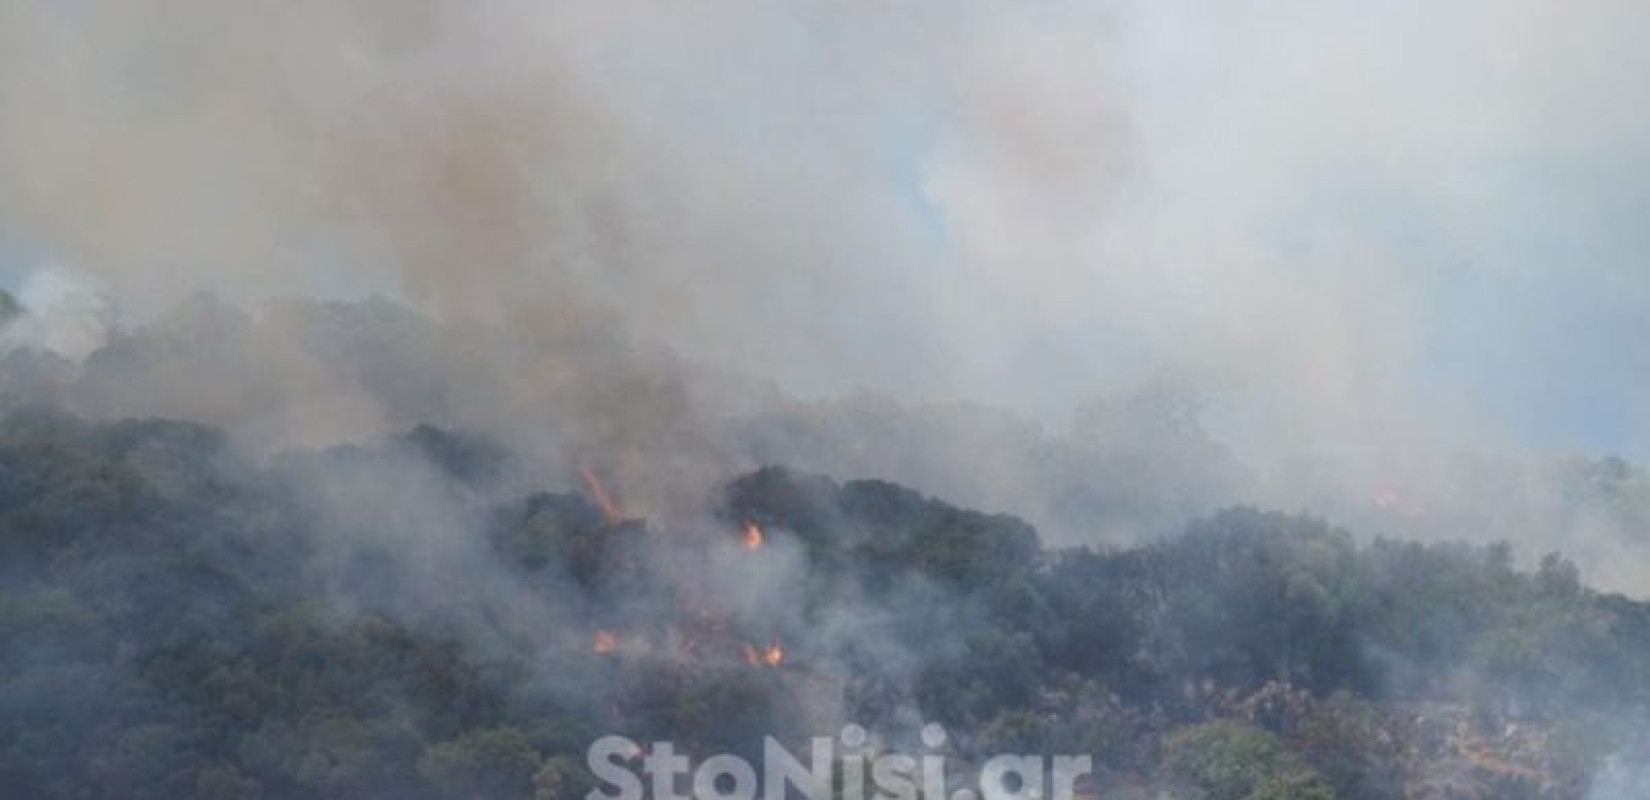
(1352, 227)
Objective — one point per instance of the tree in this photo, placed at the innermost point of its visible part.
(1226, 760)
(493, 763)
(562, 777)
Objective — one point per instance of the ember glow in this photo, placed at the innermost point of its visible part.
(752, 538)
(771, 656)
(605, 642)
(598, 495)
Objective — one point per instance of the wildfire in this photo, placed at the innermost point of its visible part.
(753, 537)
(605, 642)
(599, 496)
(772, 656)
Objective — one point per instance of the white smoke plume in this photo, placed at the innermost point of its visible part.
(1318, 219)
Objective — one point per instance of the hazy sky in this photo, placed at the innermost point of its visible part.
(1353, 226)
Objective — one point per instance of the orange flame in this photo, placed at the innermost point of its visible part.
(753, 537)
(773, 655)
(598, 495)
(605, 642)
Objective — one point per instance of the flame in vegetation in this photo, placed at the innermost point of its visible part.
(753, 537)
(605, 642)
(771, 656)
(599, 496)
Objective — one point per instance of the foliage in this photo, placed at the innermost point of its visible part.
(176, 622)
(1226, 760)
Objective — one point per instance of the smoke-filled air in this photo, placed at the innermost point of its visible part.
(408, 399)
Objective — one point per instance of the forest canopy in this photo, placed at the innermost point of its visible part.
(177, 621)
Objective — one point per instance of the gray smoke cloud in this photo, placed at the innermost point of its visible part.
(656, 235)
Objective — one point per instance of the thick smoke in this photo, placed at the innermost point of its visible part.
(674, 240)
(1108, 266)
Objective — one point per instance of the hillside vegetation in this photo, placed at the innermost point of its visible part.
(400, 620)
